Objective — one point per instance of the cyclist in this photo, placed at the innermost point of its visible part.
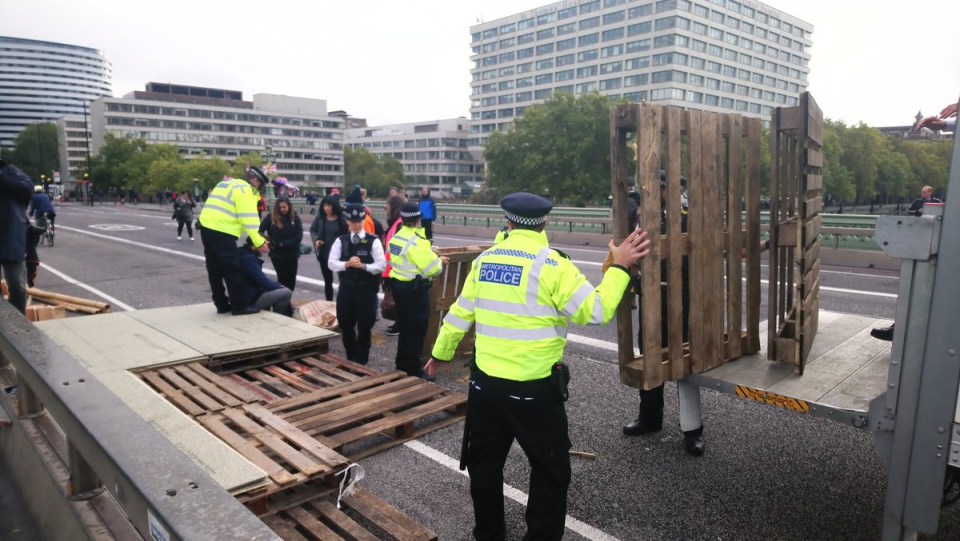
(42, 205)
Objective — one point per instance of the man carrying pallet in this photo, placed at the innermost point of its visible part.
(521, 294)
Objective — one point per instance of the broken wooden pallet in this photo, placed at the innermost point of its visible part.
(285, 453)
(364, 517)
(296, 377)
(244, 360)
(196, 390)
(372, 414)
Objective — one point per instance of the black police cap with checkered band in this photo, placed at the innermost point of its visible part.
(525, 208)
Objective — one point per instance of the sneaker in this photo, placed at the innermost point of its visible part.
(392, 330)
(178, 238)
(191, 238)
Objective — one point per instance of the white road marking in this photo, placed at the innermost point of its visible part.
(91, 289)
(513, 493)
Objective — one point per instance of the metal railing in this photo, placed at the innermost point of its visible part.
(163, 493)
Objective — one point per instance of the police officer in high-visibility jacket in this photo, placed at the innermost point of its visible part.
(520, 295)
(230, 211)
(413, 265)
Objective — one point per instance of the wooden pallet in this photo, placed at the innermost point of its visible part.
(245, 360)
(296, 377)
(196, 390)
(354, 418)
(285, 453)
(364, 517)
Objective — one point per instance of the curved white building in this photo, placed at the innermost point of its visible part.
(41, 81)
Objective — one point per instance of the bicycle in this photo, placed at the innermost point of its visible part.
(43, 222)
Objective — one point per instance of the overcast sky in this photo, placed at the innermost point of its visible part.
(393, 61)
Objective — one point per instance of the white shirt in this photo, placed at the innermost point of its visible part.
(379, 261)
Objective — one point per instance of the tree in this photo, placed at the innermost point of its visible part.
(837, 179)
(375, 173)
(560, 148)
(108, 166)
(205, 171)
(35, 150)
(860, 156)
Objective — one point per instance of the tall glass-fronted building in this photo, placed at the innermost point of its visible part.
(717, 55)
(41, 81)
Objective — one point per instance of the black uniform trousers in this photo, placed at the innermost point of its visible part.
(413, 315)
(356, 316)
(222, 259)
(286, 268)
(499, 411)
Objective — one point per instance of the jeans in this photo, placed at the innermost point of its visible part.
(15, 272)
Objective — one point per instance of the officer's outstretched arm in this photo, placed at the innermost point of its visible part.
(458, 320)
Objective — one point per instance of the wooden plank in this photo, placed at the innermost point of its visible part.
(648, 170)
(369, 501)
(352, 367)
(294, 380)
(734, 305)
(623, 116)
(814, 118)
(209, 387)
(811, 276)
(712, 301)
(814, 182)
(813, 205)
(226, 383)
(812, 253)
(811, 230)
(373, 386)
(313, 525)
(753, 235)
(386, 423)
(774, 307)
(254, 389)
(814, 158)
(695, 228)
(789, 118)
(284, 529)
(269, 439)
(675, 285)
(277, 473)
(343, 523)
(178, 397)
(295, 435)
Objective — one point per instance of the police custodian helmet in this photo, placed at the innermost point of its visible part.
(525, 208)
(254, 173)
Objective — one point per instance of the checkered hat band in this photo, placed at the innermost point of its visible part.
(409, 214)
(522, 220)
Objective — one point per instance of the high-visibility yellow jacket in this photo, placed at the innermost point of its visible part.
(410, 255)
(520, 294)
(231, 208)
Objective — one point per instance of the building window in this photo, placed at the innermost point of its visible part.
(589, 71)
(546, 48)
(523, 39)
(590, 7)
(544, 93)
(566, 28)
(610, 84)
(544, 64)
(566, 44)
(589, 39)
(565, 60)
(544, 79)
(611, 67)
(637, 46)
(587, 24)
(584, 88)
(636, 80)
(640, 11)
(639, 28)
(545, 34)
(615, 17)
(613, 50)
(587, 56)
(565, 75)
(638, 63)
(613, 34)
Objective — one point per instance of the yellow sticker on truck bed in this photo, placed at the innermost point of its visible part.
(773, 399)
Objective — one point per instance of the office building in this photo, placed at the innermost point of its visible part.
(434, 154)
(298, 135)
(716, 55)
(41, 81)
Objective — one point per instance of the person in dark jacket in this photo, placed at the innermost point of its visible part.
(327, 227)
(15, 192)
(41, 205)
(428, 212)
(284, 231)
(255, 289)
(183, 214)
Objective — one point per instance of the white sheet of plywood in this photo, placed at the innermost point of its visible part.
(846, 368)
(227, 467)
(201, 328)
(116, 341)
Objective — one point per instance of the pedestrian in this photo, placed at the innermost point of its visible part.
(230, 211)
(414, 264)
(926, 196)
(183, 214)
(519, 296)
(327, 227)
(15, 192)
(283, 229)
(394, 205)
(428, 212)
(357, 258)
(256, 289)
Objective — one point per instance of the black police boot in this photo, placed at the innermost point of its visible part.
(639, 428)
(246, 311)
(223, 309)
(693, 442)
(883, 333)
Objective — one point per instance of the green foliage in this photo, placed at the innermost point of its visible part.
(35, 150)
(560, 148)
(376, 174)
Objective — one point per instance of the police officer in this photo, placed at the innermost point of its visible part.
(413, 264)
(358, 260)
(650, 418)
(520, 295)
(229, 211)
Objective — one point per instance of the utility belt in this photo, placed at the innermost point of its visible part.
(556, 383)
(372, 281)
(419, 283)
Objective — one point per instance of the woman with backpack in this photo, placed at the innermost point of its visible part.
(284, 231)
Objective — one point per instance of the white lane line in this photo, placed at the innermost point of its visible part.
(91, 289)
(854, 291)
(513, 493)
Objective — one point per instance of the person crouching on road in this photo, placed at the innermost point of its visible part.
(358, 260)
(520, 295)
(256, 289)
(230, 211)
(413, 264)
(284, 231)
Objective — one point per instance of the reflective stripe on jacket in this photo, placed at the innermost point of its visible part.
(231, 208)
(410, 255)
(520, 294)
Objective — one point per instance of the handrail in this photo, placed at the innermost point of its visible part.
(161, 490)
